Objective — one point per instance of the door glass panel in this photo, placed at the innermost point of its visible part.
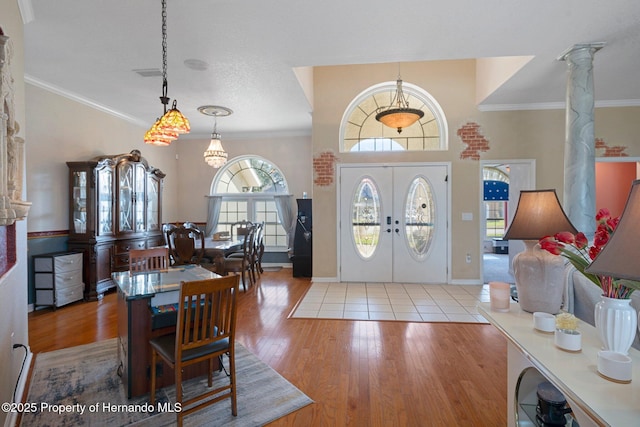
(80, 202)
(419, 216)
(125, 175)
(153, 208)
(140, 198)
(105, 201)
(366, 218)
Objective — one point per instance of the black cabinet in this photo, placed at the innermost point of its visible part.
(302, 248)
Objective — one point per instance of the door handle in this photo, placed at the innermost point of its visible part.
(388, 230)
(397, 230)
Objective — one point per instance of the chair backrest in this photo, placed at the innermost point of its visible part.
(183, 247)
(190, 224)
(148, 259)
(165, 230)
(208, 313)
(248, 246)
(240, 228)
(259, 240)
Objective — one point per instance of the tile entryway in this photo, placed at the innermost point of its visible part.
(393, 301)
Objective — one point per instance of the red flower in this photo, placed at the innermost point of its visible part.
(603, 213)
(576, 249)
(565, 237)
(551, 245)
(601, 238)
(581, 240)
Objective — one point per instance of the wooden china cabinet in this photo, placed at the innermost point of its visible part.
(115, 204)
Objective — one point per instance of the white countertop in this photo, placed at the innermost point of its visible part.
(574, 374)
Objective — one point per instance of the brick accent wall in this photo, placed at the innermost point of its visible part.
(615, 151)
(476, 142)
(324, 170)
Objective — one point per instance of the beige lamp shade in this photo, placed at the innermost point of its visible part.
(538, 214)
(620, 258)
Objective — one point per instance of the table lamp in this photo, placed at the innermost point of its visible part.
(539, 274)
(620, 257)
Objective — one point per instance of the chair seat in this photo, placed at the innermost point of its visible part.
(165, 345)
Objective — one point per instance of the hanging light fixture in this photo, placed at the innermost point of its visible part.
(215, 156)
(167, 128)
(398, 114)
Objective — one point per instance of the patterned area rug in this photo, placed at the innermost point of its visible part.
(80, 386)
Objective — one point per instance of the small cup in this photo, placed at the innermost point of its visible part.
(499, 295)
(568, 339)
(615, 366)
(544, 322)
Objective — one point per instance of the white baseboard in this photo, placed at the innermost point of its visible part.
(12, 417)
(325, 279)
(467, 282)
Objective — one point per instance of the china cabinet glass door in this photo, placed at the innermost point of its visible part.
(79, 202)
(140, 198)
(105, 201)
(153, 203)
(127, 190)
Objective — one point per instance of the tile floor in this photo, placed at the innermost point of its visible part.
(393, 301)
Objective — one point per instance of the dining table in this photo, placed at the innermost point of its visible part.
(147, 307)
(218, 250)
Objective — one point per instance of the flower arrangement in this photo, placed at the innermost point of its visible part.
(577, 250)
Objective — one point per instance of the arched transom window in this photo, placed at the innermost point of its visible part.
(248, 186)
(360, 131)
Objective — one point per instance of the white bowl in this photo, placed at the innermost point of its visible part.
(544, 322)
(615, 366)
(568, 339)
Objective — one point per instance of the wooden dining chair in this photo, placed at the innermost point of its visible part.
(240, 228)
(186, 246)
(148, 259)
(242, 264)
(205, 331)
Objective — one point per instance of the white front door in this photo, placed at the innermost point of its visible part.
(393, 224)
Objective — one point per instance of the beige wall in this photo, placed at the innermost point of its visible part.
(535, 135)
(62, 130)
(291, 154)
(13, 289)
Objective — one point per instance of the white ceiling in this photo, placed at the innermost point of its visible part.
(88, 49)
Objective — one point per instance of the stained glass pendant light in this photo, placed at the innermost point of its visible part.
(215, 156)
(398, 114)
(167, 128)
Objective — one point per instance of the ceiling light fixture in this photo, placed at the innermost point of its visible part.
(398, 114)
(215, 156)
(167, 128)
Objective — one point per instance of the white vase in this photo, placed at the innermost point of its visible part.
(616, 321)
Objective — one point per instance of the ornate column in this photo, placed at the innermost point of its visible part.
(579, 149)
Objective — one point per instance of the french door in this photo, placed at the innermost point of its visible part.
(393, 224)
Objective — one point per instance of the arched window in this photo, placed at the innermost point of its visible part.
(360, 131)
(248, 186)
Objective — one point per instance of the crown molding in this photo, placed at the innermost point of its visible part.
(82, 100)
(556, 105)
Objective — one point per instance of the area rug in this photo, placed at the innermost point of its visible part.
(393, 301)
(80, 386)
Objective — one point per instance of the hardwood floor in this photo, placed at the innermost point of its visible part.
(359, 373)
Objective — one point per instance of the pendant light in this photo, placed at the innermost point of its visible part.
(398, 114)
(167, 128)
(215, 156)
